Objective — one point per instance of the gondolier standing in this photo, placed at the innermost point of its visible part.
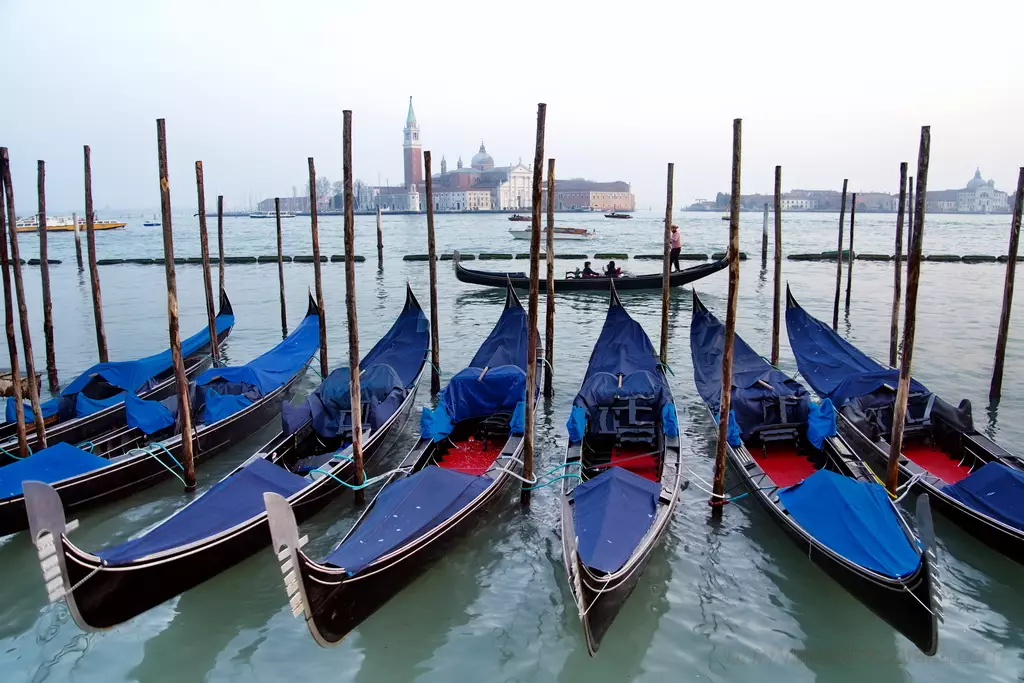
(676, 242)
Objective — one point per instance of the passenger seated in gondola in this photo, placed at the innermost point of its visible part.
(611, 271)
(588, 271)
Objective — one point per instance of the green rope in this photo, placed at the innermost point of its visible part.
(434, 367)
(16, 457)
(169, 454)
(552, 481)
(90, 444)
(315, 371)
(356, 487)
(667, 367)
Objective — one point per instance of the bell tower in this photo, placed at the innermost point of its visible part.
(412, 148)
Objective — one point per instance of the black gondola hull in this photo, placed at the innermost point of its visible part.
(597, 284)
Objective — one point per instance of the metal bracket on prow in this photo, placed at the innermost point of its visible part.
(284, 534)
(47, 523)
(926, 531)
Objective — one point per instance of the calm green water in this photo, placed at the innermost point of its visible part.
(733, 601)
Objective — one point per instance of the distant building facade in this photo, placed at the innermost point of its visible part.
(979, 196)
(578, 194)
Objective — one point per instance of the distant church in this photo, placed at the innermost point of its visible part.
(480, 187)
(980, 196)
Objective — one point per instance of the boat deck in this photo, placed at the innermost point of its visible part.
(784, 465)
(936, 461)
(471, 457)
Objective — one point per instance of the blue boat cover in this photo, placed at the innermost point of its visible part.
(231, 501)
(130, 376)
(222, 392)
(622, 348)
(753, 403)
(612, 512)
(577, 424)
(855, 519)
(834, 367)
(821, 422)
(148, 416)
(405, 510)
(994, 490)
(506, 344)
(49, 408)
(387, 373)
(59, 461)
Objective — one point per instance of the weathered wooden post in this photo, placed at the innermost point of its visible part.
(897, 285)
(94, 273)
(910, 216)
(531, 316)
(204, 248)
(44, 271)
(1011, 265)
(380, 240)
(12, 341)
(718, 499)
(316, 268)
(764, 237)
(78, 242)
(184, 407)
(350, 307)
(849, 264)
(280, 268)
(666, 248)
(777, 297)
(839, 259)
(549, 321)
(19, 289)
(435, 352)
(220, 243)
(899, 416)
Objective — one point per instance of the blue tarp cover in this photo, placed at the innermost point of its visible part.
(506, 344)
(149, 416)
(612, 512)
(217, 406)
(49, 465)
(435, 424)
(821, 422)
(499, 391)
(833, 366)
(227, 503)
(994, 490)
(669, 420)
(853, 518)
(749, 396)
(404, 511)
(577, 424)
(48, 407)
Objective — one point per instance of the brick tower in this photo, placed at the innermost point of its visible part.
(412, 150)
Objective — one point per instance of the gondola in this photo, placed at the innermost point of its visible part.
(228, 405)
(470, 448)
(621, 471)
(522, 280)
(614, 214)
(821, 494)
(306, 462)
(93, 403)
(970, 478)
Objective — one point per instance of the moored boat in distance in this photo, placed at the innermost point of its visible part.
(470, 448)
(519, 218)
(787, 451)
(621, 471)
(615, 214)
(271, 214)
(65, 224)
(970, 478)
(561, 233)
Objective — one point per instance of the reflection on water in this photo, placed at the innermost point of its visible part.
(733, 601)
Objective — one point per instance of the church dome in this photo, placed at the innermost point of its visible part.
(976, 182)
(482, 161)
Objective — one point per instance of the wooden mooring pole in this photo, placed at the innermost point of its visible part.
(380, 240)
(316, 269)
(718, 498)
(839, 259)
(12, 341)
(897, 274)
(777, 296)
(19, 290)
(549, 313)
(666, 249)
(220, 244)
(764, 237)
(1011, 265)
(44, 272)
(899, 416)
(78, 242)
(94, 273)
(280, 268)
(435, 352)
(184, 407)
(350, 306)
(531, 316)
(910, 217)
(204, 248)
(849, 263)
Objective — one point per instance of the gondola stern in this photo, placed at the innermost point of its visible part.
(225, 304)
(286, 545)
(791, 301)
(614, 299)
(411, 302)
(511, 298)
(311, 307)
(698, 305)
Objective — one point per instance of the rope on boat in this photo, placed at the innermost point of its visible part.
(434, 367)
(571, 475)
(90, 444)
(667, 367)
(365, 484)
(16, 457)
(908, 485)
(147, 450)
(309, 366)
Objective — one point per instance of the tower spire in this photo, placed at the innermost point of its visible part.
(410, 119)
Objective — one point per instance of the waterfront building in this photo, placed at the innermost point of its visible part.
(979, 196)
(579, 194)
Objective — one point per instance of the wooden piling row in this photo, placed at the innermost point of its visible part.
(184, 407)
(350, 308)
(549, 256)
(204, 248)
(666, 248)
(12, 341)
(718, 499)
(531, 317)
(44, 272)
(849, 265)
(839, 259)
(910, 315)
(317, 282)
(777, 295)
(897, 285)
(94, 274)
(280, 268)
(1004, 317)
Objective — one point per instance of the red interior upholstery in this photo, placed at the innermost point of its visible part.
(936, 462)
(636, 459)
(784, 465)
(470, 457)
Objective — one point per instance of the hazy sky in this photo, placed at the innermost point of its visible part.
(253, 88)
